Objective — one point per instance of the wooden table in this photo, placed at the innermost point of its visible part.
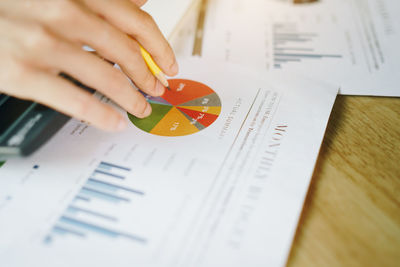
(352, 212)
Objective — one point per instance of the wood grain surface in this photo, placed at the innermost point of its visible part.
(352, 212)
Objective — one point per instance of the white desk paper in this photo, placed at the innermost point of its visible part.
(168, 14)
(352, 43)
(229, 194)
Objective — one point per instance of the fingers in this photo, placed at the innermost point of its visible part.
(40, 54)
(63, 96)
(45, 50)
(120, 48)
(130, 19)
(114, 28)
(110, 43)
(78, 21)
(98, 74)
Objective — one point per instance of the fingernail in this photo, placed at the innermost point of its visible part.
(147, 111)
(122, 124)
(159, 88)
(175, 67)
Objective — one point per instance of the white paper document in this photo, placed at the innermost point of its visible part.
(352, 43)
(216, 176)
(168, 14)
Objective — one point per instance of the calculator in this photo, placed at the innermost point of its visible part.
(26, 125)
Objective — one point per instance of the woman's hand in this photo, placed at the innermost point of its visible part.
(41, 38)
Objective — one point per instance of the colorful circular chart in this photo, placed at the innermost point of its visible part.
(187, 108)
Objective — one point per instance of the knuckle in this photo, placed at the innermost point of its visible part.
(109, 116)
(39, 37)
(148, 81)
(62, 9)
(168, 55)
(139, 105)
(106, 33)
(116, 82)
(147, 21)
(54, 44)
(10, 78)
(82, 106)
(19, 69)
(129, 70)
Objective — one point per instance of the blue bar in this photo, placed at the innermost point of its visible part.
(116, 186)
(295, 34)
(88, 226)
(74, 210)
(48, 239)
(306, 55)
(99, 229)
(279, 43)
(114, 166)
(63, 230)
(290, 39)
(82, 198)
(293, 48)
(101, 185)
(104, 167)
(278, 66)
(286, 59)
(110, 174)
(103, 195)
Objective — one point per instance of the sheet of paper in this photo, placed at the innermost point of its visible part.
(182, 40)
(168, 14)
(216, 176)
(352, 43)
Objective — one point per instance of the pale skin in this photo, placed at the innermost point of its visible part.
(41, 38)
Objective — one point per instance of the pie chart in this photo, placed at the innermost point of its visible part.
(187, 108)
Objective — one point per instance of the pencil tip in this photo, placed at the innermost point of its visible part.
(168, 88)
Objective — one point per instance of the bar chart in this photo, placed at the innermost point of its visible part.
(292, 45)
(91, 212)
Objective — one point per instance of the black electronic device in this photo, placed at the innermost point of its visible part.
(26, 125)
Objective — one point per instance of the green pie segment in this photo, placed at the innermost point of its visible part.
(158, 113)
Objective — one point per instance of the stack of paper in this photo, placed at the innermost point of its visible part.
(351, 43)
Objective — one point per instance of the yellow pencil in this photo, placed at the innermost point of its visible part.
(154, 68)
